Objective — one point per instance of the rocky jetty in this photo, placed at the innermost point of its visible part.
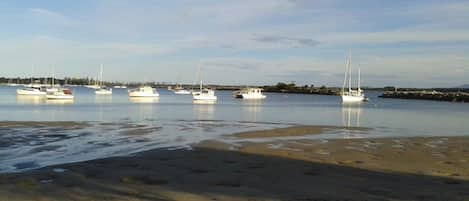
(428, 95)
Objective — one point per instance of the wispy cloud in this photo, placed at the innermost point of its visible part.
(51, 17)
(395, 37)
(288, 41)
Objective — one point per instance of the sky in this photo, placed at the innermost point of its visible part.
(404, 43)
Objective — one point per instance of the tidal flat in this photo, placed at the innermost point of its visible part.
(266, 164)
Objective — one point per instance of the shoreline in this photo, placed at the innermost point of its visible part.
(415, 168)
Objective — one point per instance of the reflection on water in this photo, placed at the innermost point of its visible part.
(252, 109)
(403, 117)
(351, 114)
(144, 99)
(103, 99)
(33, 100)
(59, 102)
(204, 109)
(204, 102)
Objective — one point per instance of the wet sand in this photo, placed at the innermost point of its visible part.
(433, 168)
(28, 124)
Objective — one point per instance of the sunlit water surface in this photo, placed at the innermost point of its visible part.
(121, 126)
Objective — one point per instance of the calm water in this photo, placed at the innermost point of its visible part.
(405, 117)
(174, 121)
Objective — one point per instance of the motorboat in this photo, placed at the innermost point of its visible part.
(144, 91)
(204, 94)
(249, 93)
(179, 90)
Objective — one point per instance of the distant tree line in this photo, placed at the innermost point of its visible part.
(282, 87)
(61, 81)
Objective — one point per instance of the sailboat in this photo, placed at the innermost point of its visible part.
(205, 94)
(351, 95)
(32, 89)
(59, 93)
(102, 90)
(92, 86)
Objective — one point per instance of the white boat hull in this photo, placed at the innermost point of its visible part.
(50, 90)
(251, 97)
(182, 92)
(30, 93)
(198, 97)
(92, 86)
(139, 94)
(60, 97)
(103, 92)
(352, 99)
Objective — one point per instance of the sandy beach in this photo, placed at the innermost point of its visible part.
(420, 168)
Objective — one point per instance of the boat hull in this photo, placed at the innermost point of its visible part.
(251, 97)
(353, 99)
(142, 95)
(92, 86)
(182, 92)
(211, 98)
(30, 93)
(103, 92)
(60, 97)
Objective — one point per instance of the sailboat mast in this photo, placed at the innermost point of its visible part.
(53, 74)
(345, 77)
(359, 79)
(200, 77)
(350, 70)
(32, 75)
(101, 76)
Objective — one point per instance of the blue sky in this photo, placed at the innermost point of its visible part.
(402, 42)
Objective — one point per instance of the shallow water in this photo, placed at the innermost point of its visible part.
(121, 126)
(403, 117)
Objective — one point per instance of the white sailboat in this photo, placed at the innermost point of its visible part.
(52, 88)
(351, 95)
(58, 93)
(102, 90)
(32, 89)
(94, 85)
(203, 93)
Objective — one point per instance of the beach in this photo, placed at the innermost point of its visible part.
(262, 165)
